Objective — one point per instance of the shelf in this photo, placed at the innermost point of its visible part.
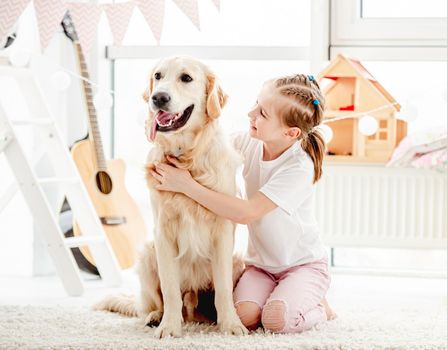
(352, 159)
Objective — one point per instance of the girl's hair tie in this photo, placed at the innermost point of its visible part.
(315, 102)
(311, 77)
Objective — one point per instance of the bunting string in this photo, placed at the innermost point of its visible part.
(49, 14)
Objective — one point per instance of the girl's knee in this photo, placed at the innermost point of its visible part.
(274, 316)
(250, 314)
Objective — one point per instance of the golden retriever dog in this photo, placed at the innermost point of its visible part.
(193, 248)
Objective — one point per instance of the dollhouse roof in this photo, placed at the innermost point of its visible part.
(345, 67)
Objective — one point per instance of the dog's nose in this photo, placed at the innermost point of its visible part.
(160, 99)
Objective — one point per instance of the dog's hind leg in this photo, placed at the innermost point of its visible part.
(150, 304)
(190, 302)
(153, 318)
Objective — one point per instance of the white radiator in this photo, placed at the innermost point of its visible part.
(375, 206)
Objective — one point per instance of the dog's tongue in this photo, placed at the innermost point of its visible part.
(162, 118)
(153, 130)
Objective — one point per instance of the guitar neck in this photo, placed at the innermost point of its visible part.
(94, 133)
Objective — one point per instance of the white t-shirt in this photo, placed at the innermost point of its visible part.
(288, 235)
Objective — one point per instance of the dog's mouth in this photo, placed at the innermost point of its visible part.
(165, 121)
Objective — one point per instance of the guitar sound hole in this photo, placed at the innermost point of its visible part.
(104, 182)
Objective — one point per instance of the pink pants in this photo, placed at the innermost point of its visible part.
(301, 289)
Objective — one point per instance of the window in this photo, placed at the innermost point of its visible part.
(418, 83)
(238, 23)
(390, 30)
(403, 9)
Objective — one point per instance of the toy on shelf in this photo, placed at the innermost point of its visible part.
(350, 91)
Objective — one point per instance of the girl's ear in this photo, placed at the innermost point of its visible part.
(216, 97)
(148, 92)
(293, 132)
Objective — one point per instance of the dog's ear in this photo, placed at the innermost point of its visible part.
(148, 92)
(216, 97)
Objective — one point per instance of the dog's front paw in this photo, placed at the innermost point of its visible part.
(153, 318)
(236, 327)
(169, 328)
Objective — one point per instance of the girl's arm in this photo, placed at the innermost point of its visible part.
(238, 210)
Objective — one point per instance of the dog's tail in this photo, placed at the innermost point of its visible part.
(122, 304)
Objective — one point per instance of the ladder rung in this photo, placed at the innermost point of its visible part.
(36, 121)
(57, 180)
(79, 241)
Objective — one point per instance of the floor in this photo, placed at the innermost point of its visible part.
(346, 290)
(375, 312)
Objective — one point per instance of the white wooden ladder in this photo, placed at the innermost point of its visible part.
(68, 180)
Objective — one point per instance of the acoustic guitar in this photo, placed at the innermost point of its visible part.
(105, 179)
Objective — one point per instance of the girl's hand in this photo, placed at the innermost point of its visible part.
(170, 178)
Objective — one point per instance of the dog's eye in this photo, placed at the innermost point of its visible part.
(157, 76)
(186, 78)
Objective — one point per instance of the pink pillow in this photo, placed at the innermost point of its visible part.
(415, 145)
(433, 160)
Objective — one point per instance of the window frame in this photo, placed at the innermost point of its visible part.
(211, 52)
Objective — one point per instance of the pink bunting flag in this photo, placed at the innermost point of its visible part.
(191, 9)
(118, 16)
(10, 11)
(49, 14)
(153, 12)
(217, 3)
(85, 18)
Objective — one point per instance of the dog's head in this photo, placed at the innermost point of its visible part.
(182, 94)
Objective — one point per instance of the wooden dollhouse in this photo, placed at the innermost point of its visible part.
(350, 89)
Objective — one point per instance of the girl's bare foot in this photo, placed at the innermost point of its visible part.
(330, 314)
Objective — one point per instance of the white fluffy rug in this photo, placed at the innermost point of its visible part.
(33, 327)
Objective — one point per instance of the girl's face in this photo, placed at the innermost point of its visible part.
(265, 120)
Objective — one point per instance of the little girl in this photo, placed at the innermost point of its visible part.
(286, 279)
